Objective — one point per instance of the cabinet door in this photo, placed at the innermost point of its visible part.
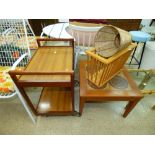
(126, 24)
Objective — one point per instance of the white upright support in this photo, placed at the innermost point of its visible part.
(33, 118)
(15, 51)
(27, 42)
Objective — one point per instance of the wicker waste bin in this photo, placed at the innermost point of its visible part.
(100, 70)
(110, 39)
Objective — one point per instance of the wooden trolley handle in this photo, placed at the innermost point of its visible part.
(54, 39)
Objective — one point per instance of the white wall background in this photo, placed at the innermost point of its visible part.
(146, 22)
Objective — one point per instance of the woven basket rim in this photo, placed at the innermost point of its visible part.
(110, 39)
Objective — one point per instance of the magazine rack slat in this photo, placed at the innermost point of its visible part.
(100, 70)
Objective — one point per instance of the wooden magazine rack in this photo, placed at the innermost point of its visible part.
(100, 70)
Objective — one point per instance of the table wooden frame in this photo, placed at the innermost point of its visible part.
(133, 95)
(21, 81)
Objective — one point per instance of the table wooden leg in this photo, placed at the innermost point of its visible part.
(126, 107)
(81, 105)
(129, 107)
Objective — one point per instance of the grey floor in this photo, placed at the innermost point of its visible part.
(97, 119)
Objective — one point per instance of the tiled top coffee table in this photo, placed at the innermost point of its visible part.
(90, 94)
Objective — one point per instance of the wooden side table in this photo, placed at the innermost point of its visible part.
(51, 67)
(87, 93)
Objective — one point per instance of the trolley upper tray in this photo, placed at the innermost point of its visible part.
(50, 59)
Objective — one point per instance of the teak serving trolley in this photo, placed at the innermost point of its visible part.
(51, 67)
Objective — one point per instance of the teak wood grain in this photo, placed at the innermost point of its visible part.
(101, 70)
(55, 100)
(51, 68)
(49, 59)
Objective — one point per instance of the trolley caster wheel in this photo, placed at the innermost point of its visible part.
(75, 113)
(79, 114)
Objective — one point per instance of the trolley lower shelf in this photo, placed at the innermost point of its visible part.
(55, 101)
